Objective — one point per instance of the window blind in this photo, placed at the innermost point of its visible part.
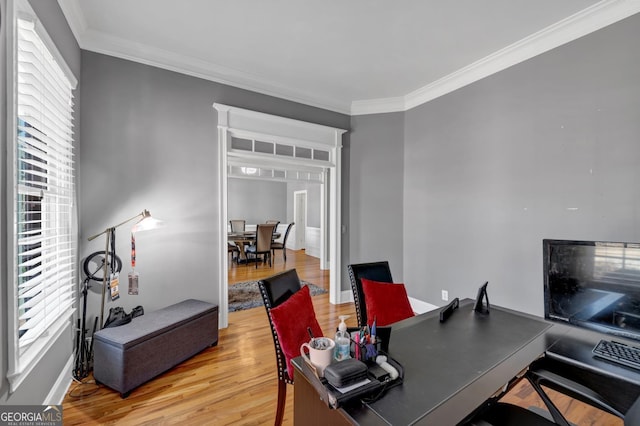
(44, 193)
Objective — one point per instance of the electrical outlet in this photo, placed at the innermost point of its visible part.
(445, 295)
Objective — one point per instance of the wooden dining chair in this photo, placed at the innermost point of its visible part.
(237, 225)
(282, 245)
(264, 236)
(232, 250)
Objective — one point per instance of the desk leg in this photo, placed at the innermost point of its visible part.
(309, 409)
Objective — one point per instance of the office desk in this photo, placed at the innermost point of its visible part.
(570, 355)
(450, 368)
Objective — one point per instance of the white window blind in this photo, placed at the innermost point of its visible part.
(44, 193)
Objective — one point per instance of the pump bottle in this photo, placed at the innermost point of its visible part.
(343, 340)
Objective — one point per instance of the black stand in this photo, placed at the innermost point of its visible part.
(84, 349)
(480, 307)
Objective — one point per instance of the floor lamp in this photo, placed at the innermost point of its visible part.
(144, 223)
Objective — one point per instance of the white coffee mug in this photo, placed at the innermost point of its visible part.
(319, 358)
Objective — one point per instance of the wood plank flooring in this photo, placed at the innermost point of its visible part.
(236, 382)
(576, 412)
(308, 269)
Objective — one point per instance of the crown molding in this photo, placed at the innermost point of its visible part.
(599, 15)
(160, 58)
(378, 106)
(137, 52)
(75, 18)
(591, 19)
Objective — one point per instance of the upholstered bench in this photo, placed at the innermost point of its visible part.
(132, 354)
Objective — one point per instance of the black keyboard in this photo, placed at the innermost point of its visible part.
(619, 353)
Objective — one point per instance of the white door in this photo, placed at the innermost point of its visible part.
(300, 218)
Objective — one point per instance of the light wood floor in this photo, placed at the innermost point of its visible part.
(235, 382)
(308, 269)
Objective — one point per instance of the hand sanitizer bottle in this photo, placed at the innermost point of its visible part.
(343, 340)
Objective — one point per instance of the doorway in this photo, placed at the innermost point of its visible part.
(280, 148)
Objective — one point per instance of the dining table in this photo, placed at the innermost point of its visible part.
(244, 238)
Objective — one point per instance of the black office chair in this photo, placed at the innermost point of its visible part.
(559, 377)
(375, 271)
(276, 290)
(501, 414)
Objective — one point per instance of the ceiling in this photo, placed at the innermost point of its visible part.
(349, 56)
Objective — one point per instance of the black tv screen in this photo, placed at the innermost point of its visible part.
(593, 284)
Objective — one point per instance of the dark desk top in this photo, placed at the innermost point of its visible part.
(451, 368)
(466, 358)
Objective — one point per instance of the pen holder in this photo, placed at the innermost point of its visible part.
(365, 351)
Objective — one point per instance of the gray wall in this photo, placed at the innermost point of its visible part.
(42, 379)
(546, 149)
(374, 187)
(256, 200)
(150, 141)
(313, 202)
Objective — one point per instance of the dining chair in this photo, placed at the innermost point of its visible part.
(290, 312)
(237, 225)
(273, 222)
(232, 250)
(376, 271)
(264, 236)
(282, 245)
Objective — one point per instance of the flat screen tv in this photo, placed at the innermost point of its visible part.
(593, 284)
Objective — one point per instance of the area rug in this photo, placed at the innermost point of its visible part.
(247, 295)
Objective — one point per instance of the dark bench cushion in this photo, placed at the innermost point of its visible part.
(158, 322)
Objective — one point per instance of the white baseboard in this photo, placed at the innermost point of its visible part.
(420, 307)
(312, 238)
(346, 296)
(61, 386)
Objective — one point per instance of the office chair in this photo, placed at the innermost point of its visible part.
(287, 303)
(568, 380)
(376, 271)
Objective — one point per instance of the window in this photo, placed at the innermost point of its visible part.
(44, 244)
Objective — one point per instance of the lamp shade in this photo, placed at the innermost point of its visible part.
(147, 222)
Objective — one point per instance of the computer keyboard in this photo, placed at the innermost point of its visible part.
(619, 353)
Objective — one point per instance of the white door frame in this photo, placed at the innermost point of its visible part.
(252, 125)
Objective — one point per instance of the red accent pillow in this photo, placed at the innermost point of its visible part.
(386, 302)
(291, 320)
